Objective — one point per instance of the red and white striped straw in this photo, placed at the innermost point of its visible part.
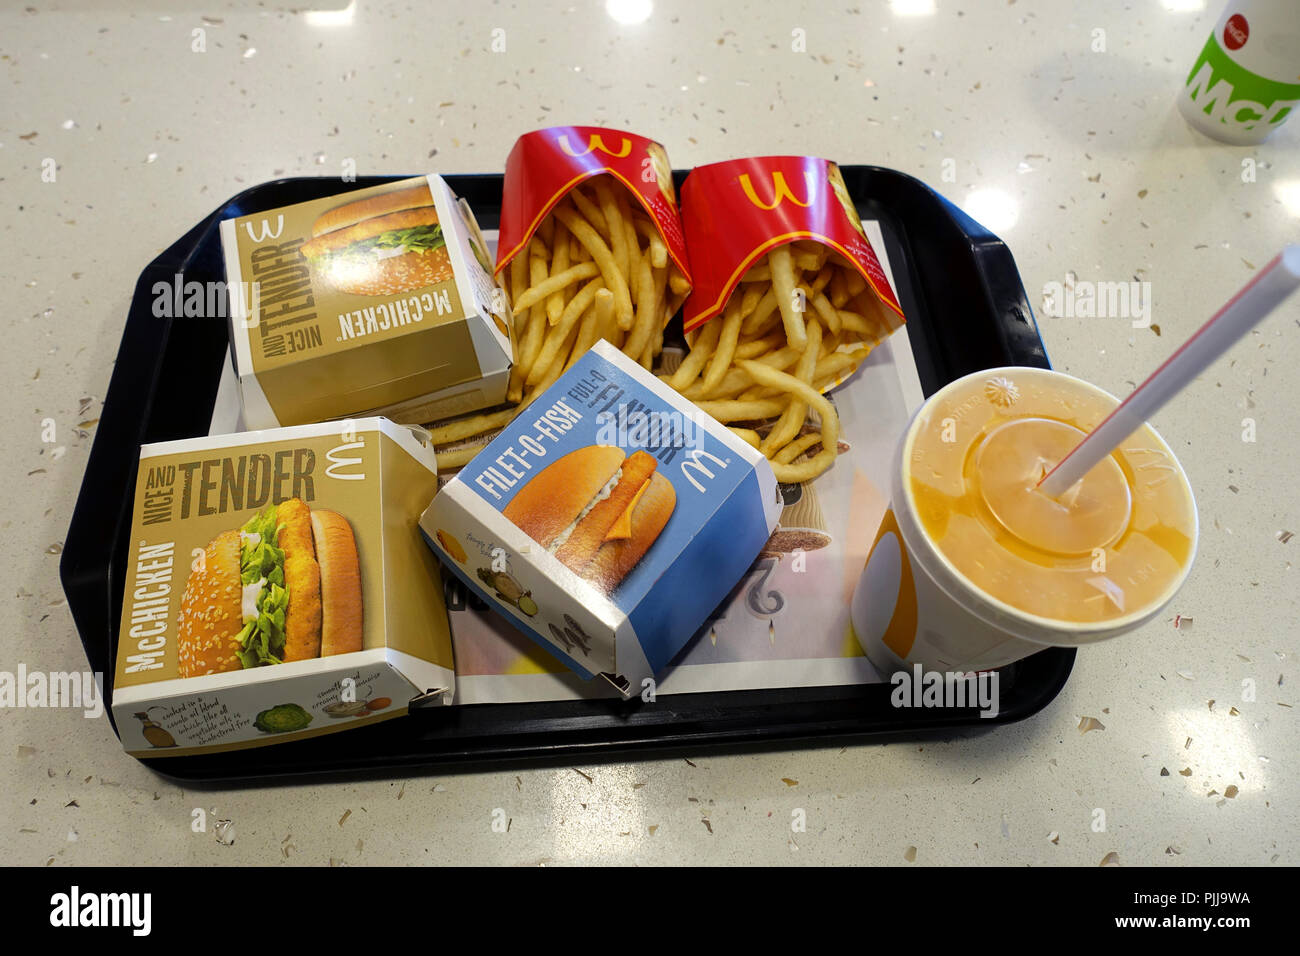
(1260, 296)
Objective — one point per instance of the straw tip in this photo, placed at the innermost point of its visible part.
(1291, 259)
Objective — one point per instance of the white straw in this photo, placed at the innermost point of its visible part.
(1243, 312)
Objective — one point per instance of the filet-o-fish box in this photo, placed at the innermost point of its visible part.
(607, 520)
(278, 588)
(376, 302)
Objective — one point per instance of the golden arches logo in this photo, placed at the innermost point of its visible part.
(594, 142)
(780, 190)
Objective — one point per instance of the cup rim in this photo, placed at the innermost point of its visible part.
(1073, 632)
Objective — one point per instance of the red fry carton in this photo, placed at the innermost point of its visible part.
(546, 164)
(736, 212)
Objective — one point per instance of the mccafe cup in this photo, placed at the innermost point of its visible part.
(974, 567)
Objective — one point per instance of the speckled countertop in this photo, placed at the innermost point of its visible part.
(1075, 156)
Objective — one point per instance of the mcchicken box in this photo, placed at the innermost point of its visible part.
(277, 588)
(379, 301)
(735, 213)
(608, 520)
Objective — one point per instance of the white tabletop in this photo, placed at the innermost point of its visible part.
(1075, 156)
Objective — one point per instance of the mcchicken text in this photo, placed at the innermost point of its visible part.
(150, 605)
(385, 316)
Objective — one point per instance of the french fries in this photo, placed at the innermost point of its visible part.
(595, 268)
(783, 286)
(798, 321)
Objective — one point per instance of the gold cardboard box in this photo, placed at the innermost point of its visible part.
(379, 301)
(278, 588)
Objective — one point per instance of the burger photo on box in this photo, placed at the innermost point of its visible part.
(284, 587)
(597, 510)
(380, 245)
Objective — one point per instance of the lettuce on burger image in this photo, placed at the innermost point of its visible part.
(284, 587)
(261, 575)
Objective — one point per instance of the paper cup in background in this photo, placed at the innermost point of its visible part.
(913, 604)
(1246, 82)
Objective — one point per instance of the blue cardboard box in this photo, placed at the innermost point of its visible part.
(607, 520)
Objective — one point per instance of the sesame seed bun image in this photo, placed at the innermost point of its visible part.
(284, 587)
(383, 245)
(597, 510)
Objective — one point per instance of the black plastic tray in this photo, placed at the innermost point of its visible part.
(966, 310)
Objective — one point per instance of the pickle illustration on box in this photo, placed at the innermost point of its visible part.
(282, 719)
(381, 245)
(597, 509)
(508, 589)
(284, 587)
